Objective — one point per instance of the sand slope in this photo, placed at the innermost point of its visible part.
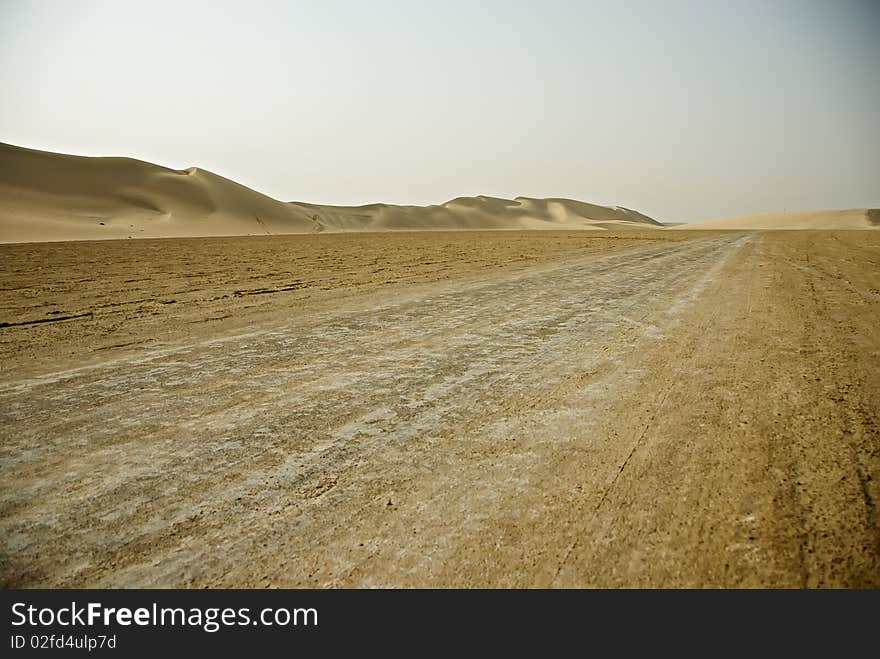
(49, 196)
(857, 218)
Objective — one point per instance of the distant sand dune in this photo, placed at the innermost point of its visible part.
(49, 196)
(857, 218)
(475, 213)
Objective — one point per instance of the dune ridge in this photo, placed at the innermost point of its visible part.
(47, 196)
(479, 212)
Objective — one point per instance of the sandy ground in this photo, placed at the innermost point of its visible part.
(65, 303)
(700, 411)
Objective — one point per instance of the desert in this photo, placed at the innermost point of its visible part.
(410, 296)
(650, 406)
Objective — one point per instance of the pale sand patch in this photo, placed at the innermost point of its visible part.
(855, 218)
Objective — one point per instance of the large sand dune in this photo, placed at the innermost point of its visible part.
(856, 218)
(49, 196)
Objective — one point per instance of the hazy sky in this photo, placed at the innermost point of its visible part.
(683, 110)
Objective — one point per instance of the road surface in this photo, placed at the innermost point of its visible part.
(622, 420)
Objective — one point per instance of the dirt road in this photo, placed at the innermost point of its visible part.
(694, 413)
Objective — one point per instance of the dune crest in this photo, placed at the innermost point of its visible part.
(48, 196)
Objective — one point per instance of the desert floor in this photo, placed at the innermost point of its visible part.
(443, 409)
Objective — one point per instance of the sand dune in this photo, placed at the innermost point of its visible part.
(477, 213)
(857, 218)
(49, 196)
